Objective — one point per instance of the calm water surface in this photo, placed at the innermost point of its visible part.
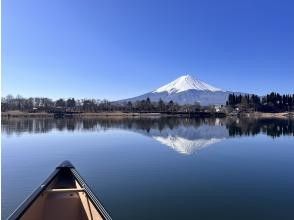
(159, 168)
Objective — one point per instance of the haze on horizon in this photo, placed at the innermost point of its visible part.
(117, 50)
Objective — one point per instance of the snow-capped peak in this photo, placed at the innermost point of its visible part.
(184, 83)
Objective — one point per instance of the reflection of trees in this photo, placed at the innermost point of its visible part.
(270, 127)
(235, 127)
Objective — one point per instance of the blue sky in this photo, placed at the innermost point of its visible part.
(118, 49)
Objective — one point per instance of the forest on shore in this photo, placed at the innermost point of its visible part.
(273, 102)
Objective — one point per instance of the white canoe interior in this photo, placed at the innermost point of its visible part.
(64, 198)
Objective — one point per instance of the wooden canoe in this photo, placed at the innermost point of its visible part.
(63, 195)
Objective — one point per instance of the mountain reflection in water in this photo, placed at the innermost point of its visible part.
(184, 135)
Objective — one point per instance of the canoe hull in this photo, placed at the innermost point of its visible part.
(63, 195)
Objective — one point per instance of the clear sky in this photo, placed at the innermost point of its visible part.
(119, 49)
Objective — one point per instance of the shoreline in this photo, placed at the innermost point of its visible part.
(261, 115)
(18, 114)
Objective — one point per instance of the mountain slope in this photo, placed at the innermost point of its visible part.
(185, 90)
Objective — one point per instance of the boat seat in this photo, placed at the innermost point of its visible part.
(65, 190)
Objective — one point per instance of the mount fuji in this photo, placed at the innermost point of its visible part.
(186, 90)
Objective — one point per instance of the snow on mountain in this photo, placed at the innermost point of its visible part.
(185, 83)
(185, 90)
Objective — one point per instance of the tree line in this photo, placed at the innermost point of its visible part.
(18, 103)
(273, 102)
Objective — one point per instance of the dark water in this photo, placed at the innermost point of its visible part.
(159, 168)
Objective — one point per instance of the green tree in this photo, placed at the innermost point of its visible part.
(161, 105)
(60, 103)
(71, 103)
(129, 106)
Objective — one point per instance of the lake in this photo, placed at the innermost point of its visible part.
(159, 168)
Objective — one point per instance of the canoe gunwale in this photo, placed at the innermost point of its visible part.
(91, 195)
(26, 204)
